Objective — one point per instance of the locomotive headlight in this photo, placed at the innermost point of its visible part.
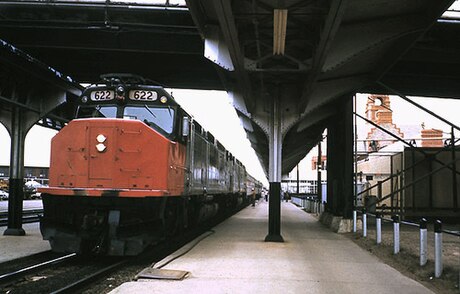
(101, 138)
(163, 99)
(100, 147)
(84, 99)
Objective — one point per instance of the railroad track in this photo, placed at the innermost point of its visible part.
(28, 216)
(73, 273)
(34, 266)
(63, 274)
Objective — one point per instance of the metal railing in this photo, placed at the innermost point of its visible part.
(423, 239)
(309, 203)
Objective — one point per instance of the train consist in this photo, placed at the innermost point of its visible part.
(134, 168)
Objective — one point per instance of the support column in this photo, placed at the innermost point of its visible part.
(340, 161)
(298, 184)
(454, 171)
(16, 181)
(319, 165)
(275, 142)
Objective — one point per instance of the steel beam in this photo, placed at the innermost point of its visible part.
(329, 30)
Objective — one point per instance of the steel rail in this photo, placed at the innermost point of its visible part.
(90, 278)
(29, 269)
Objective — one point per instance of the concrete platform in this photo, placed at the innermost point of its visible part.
(12, 247)
(235, 259)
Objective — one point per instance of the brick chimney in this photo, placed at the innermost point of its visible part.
(378, 110)
(432, 138)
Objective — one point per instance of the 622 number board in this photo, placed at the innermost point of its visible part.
(102, 95)
(144, 95)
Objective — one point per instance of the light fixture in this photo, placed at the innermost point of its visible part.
(163, 99)
(101, 147)
(279, 31)
(101, 138)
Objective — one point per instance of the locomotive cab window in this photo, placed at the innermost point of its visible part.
(108, 111)
(160, 118)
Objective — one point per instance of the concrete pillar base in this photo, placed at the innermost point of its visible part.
(337, 224)
(14, 232)
(274, 238)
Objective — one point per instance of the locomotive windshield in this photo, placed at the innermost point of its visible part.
(162, 117)
(98, 111)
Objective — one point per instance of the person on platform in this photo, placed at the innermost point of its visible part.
(253, 197)
(286, 196)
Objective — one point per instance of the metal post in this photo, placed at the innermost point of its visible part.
(423, 242)
(16, 181)
(298, 185)
(437, 248)
(319, 190)
(355, 146)
(391, 184)
(364, 223)
(379, 190)
(395, 234)
(413, 179)
(454, 172)
(354, 220)
(430, 183)
(378, 228)
(274, 206)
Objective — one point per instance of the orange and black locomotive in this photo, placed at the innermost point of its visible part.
(133, 168)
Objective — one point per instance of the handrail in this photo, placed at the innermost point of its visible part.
(412, 224)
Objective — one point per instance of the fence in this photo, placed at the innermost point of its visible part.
(309, 203)
(396, 222)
